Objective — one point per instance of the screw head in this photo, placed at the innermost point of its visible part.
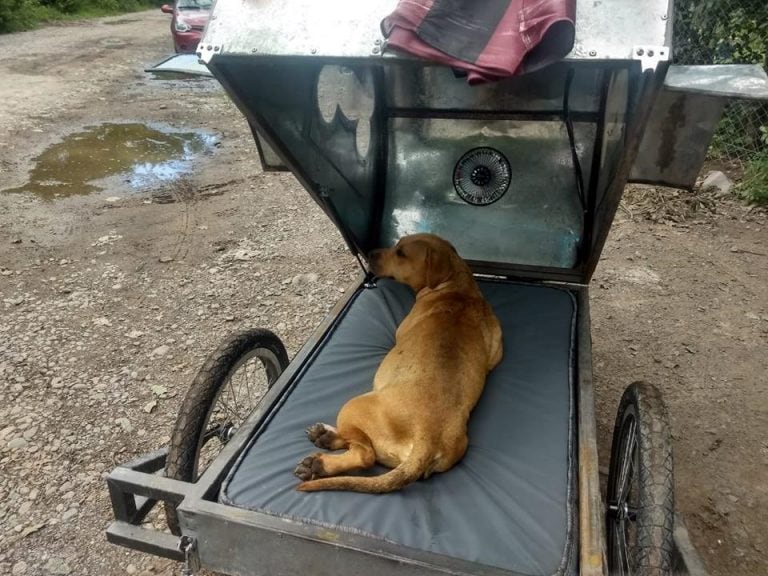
(314, 51)
(377, 41)
(640, 51)
(650, 52)
(376, 50)
(593, 52)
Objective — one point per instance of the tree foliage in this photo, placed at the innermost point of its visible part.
(18, 15)
(721, 32)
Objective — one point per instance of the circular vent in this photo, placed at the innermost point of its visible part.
(481, 176)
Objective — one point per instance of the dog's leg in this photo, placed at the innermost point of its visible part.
(326, 437)
(359, 456)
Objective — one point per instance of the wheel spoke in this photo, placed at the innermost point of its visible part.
(618, 549)
(626, 464)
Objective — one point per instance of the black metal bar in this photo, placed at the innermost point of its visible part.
(652, 83)
(525, 272)
(143, 540)
(123, 502)
(466, 114)
(149, 485)
(381, 161)
(149, 463)
(594, 172)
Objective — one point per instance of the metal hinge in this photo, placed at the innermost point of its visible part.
(650, 56)
(188, 546)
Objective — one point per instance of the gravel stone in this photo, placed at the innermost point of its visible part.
(57, 566)
(17, 443)
(19, 568)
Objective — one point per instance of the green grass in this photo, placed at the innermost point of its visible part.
(17, 15)
(754, 185)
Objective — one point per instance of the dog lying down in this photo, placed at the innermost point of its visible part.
(415, 419)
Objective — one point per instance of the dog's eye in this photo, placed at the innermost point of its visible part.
(400, 253)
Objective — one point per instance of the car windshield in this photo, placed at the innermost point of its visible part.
(194, 4)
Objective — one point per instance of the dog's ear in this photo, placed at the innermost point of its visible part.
(438, 267)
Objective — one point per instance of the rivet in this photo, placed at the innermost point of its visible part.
(640, 51)
(593, 52)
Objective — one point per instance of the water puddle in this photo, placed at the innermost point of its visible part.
(139, 154)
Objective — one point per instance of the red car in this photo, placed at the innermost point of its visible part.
(188, 22)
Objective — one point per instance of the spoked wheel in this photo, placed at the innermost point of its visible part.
(640, 500)
(225, 391)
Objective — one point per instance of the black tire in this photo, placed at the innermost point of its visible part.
(640, 493)
(223, 369)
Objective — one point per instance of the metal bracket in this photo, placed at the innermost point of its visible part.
(650, 56)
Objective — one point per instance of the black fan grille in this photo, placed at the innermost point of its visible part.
(481, 176)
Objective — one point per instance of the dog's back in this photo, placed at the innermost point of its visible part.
(415, 419)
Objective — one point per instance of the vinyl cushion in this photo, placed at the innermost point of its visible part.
(508, 504)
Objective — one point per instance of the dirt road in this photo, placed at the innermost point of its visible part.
(110, 301)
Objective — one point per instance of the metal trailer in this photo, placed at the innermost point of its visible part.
(524, 176)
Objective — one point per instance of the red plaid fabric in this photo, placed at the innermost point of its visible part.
(489, 39)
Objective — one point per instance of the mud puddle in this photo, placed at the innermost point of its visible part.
(140, 155)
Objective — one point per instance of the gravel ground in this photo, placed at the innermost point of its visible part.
(110, 302)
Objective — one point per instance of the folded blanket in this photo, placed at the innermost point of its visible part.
(489, 39)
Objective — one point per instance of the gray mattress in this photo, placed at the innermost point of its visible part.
(509, 504)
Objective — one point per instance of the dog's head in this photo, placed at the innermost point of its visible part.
(420, 261)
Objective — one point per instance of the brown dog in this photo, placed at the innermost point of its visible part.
(415, 419)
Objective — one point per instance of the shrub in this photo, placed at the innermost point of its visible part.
(17, 15)
(754, 184)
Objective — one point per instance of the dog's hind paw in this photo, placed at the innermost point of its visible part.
(309, 468)
(324, 436)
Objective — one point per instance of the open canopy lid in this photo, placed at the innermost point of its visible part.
(524, 175)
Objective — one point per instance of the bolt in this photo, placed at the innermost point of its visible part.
(640, 51)
(593, 52)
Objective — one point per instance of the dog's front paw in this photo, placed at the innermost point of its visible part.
(309, 468)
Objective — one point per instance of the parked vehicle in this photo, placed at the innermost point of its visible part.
(188, 22)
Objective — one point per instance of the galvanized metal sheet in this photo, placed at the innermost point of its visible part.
(605, 29)
(745, 81)
(676, 139)
(180, 64)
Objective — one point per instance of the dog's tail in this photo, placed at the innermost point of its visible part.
(411, 469)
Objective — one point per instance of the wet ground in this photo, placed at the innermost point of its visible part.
(140, 155)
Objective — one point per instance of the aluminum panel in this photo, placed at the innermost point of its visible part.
(537, 222)
(676, 139)
(188, 64)
(745, 81)
(605, 30)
